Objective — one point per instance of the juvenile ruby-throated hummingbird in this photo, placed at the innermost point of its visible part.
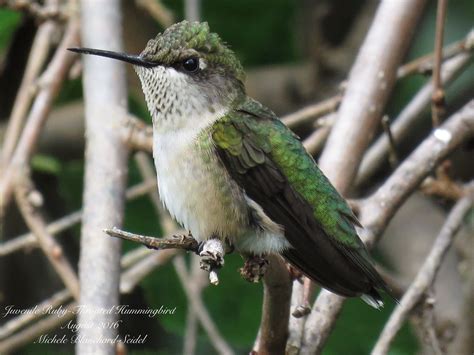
(228, 168)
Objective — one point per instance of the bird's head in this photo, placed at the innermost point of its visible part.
(185, 69)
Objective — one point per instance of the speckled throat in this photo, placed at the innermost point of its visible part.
(192, 184)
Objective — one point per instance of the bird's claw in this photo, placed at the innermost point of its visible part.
(254, 268)
(211, 252)
(301, 311)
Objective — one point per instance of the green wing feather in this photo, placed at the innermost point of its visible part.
(241, 134)
(269, 162)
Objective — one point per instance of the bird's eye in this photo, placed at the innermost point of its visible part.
(191, 64)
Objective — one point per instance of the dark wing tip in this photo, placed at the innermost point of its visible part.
(373, 298)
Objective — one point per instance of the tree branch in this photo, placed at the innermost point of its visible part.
(132, 259)
(29, 200)
(377, 210)
(427, 273)
(50, 83)
(178, 241)
(437, 107)
(192, 283)
(24, 336)
(46, 12)
(159, 12)
(132, 277)
(309, 113)
(38, 55)
(20, 321)
(105, 174)
(419, 65)
(273, 332)
(28, 240)
(370, 83)
(371, 80)
(201, 312)
(401, 126)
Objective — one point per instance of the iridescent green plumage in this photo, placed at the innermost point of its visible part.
(185, 39)
(271, 136)
(269, 162)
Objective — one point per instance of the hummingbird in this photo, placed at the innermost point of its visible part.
(228, 168)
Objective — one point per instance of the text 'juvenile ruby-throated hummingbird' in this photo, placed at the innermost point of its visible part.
(228, 168)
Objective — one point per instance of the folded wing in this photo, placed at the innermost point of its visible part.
(269, 162)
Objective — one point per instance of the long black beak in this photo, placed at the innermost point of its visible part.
(124, 57)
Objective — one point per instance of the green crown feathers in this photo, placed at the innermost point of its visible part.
(186, 39)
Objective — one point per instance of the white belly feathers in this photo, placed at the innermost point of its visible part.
(195, 189)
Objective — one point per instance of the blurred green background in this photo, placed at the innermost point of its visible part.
(263, 34)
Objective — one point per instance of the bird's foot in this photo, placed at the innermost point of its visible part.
(302, 310)
(254, 268)
(211, 252)
(295, 274)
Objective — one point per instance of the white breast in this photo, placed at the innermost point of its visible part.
(195, 188)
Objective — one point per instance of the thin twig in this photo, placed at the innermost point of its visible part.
(201, 312)
(30, 315)
(426, 274)
(418, 65)
(182, 241)
(42, 13)
(424, 320)
(190, 332)
(401, 126)
(309, 113)
(137, 135)
(443, 185)
(130, 259)
(41, 327)
(38, 55)
(159, 11)
(133, 275)
(370, 83)
(50, 83)
(372, 78)
(295, 325)
(424, 64)
(192, 10)
(377, 210)
(28, 240)
(315, 141)
(29, 200)
(437, 107)
(197, 281)
(392, 155)
(442, 188)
